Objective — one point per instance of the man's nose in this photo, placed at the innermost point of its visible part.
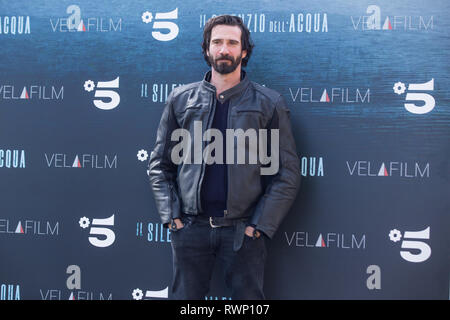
(224, 49)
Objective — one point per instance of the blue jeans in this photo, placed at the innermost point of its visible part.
(197, 246)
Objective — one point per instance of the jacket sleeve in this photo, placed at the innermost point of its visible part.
(162, 171)
(283, 187)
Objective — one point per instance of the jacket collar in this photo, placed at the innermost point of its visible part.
(225, 95)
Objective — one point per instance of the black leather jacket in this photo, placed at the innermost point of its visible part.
(264, 200)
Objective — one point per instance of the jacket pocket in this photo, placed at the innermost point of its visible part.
(190, 113)
(249, 117)
(249, 110)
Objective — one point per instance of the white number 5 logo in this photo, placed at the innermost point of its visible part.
(114, 97)
(422, 251)
(102, 229)
(172, 27)
(429, 102)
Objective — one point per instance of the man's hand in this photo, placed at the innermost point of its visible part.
(178, 223)
(249, 232)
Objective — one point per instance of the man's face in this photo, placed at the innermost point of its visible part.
(225, 49)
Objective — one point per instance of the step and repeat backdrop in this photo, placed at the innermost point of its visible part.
(82, 89)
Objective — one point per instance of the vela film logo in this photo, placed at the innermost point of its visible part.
(31, 92)
(81, 160)
(335, 240)
(375, 22)
(27, 227)
(75, 22)
(73, 284)
(395, 169)
(332, 96)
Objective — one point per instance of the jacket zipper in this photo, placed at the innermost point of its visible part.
(228, 167)
(200, 180)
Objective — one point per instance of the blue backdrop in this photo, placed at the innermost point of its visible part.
(82, 88)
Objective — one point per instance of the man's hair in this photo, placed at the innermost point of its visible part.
(246, 41)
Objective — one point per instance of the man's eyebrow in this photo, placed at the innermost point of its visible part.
(235, 40)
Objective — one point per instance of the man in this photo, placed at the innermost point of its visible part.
(222, 210)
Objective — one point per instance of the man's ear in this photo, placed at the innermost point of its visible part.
(244, 53)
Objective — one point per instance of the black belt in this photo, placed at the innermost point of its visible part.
(217, 222)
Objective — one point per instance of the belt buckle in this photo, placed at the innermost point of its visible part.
(211, 223)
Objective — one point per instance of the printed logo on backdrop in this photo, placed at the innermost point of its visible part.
(101, 232)
(15, 25)
(331, 95)
(73, 292)
(12, 158)
(413, 247)
(294, 22)
(398, 169)
(138, 294)
(162, 22)
(9, 291)
(427, 101)
(312, 166)
(375, 21)
(157, 92)
(153, 232)
(110, 98)
(142, 156)
(81, 160)
(31, 92)
(333, 240)
(75, 22)
(28, 227)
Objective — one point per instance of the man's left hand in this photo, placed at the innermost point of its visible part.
(249, 232)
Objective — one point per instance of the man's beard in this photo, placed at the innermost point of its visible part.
(224, 67)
